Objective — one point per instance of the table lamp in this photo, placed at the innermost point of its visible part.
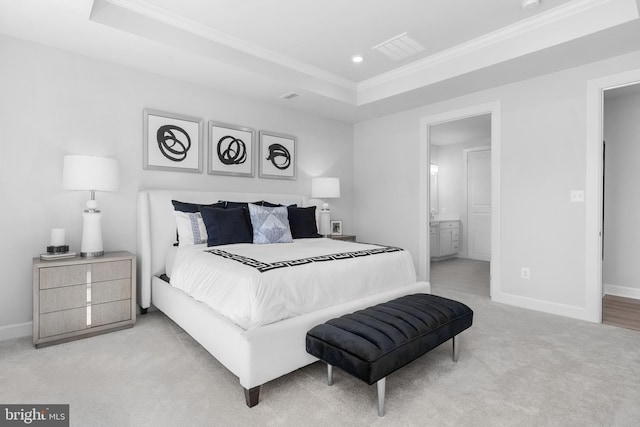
(93, 174)
(325, 188)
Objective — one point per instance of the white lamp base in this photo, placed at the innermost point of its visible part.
(325, 222)
(91, 235)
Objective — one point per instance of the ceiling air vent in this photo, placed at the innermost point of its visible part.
(289, 95)
(399, 47)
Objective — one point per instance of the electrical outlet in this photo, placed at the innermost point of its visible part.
(525, 273)
(576, 196)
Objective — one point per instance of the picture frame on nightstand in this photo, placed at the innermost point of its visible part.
(336, 228)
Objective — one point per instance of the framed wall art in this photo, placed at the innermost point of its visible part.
(172, 142)
(230, 150)
(277, 155)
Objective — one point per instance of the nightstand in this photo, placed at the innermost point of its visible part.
(345, 237)
(80, 297)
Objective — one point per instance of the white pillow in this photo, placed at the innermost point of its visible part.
(191, 228)
(270, 225)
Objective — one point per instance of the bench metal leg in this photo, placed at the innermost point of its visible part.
(381, 385)
(456, 348)
(329, 374)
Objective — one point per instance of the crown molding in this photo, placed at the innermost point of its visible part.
(156, 13)
(563, 23)
(620, 10)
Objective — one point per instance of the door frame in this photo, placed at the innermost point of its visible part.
(594, 189)
(465, 191)
(494, 109)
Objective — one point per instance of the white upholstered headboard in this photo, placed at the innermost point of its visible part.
(157, 226)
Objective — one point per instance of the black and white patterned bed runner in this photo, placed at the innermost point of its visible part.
(264, 266)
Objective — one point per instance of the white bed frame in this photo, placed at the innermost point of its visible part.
(255, 356)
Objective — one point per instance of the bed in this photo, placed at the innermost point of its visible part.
(255, 354)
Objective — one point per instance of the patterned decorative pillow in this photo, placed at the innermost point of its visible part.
(191, 229)
(270, 224)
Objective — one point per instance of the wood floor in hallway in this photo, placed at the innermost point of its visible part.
(620, 311)
(472, 276)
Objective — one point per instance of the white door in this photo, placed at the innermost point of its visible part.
(479, 204)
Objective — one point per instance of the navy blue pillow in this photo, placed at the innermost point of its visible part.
(302, 222)
(269, 204)
(227, 226)
(233, 205)
(192, 207)
(228, 204)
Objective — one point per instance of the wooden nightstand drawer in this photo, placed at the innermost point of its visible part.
(113, 290)
(63, 298)
(112, 312)
(68, 297)
(110, 271)
(62, 322)
(79, 297)
(55, 277)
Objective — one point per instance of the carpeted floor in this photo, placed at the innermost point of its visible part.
(516, 367)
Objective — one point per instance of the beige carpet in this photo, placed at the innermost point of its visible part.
(516, 367)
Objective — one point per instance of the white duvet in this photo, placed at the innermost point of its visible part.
(251, 298)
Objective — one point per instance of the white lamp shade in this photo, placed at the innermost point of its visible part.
(90, 173)
(325, 188)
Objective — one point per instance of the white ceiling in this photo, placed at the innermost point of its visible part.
(266, 48)
(326, 34)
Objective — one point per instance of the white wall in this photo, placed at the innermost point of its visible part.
(54, 103)
(543, 158)
(622, 203)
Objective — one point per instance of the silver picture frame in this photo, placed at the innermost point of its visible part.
(336, 227)
(172, 142)
(231, 150)
(277, 154)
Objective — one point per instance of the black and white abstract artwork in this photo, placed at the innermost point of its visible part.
(230, 150)
(172, 142)
(277, 155)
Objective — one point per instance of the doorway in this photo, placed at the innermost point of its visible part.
(453, 206)
(595, 204)
(460, 204)
(621, 243)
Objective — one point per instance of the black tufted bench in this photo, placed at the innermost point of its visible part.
(372, 343)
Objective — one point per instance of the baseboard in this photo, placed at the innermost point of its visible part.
(18, 330)
(622, 291)
(572, 311)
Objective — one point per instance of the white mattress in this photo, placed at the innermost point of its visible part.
(251, 298)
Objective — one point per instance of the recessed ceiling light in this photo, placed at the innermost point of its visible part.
(357, 59)
(530, 4)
